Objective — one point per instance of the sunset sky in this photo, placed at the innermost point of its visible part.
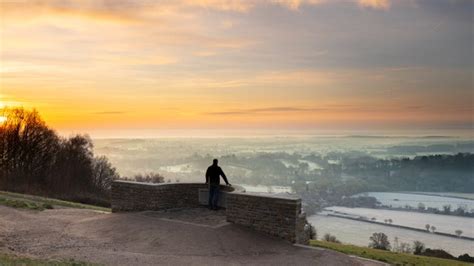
(164, 65)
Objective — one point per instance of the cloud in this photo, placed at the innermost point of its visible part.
(118, 12)
(141, 60)
(109, 113)
(375, 4)
(268, 110)
(223, 5)
(137, 11)
(296, 4)
(329, 109)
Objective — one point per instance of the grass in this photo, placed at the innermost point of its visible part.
(10, 260)
(22, 204)
(389, 257)
(31, 202)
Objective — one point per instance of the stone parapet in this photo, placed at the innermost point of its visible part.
(274, 215)
(279, 216)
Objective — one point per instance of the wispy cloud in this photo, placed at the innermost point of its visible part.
(136, 11)
(267, 110)
(375, 4)
(109, 113)
(333, 108)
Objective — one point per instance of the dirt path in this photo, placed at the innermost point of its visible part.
(188, 237)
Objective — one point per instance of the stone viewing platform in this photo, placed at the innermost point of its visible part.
(276, 215)
(148, 229)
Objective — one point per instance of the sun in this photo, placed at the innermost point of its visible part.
(3, 119)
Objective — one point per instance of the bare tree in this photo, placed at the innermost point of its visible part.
(28, 150)
(427, 226)
(379, 241)
(103, 173)
(34, 159)
(150, 178)
(418, 247)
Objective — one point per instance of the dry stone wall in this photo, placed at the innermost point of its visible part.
(277, 216)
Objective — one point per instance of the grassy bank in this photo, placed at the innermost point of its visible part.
(11, 260)
(385, 256)
(24, 201)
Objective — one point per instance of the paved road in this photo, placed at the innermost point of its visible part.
(187, 237)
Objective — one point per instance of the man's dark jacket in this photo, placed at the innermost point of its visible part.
(213, 174)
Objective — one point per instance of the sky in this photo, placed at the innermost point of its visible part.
(141, 65)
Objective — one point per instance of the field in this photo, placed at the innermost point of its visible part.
(357, 233)
(444, 223)
(385, 256)
(469, 196)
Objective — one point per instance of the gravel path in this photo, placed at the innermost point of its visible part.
(187, 237)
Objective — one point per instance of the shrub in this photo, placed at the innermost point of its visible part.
(47, 206)
(379, 241)
(418, 247)
(438, 253)
(313, 234)
(150, 178)
(330, 238)
(466, 258)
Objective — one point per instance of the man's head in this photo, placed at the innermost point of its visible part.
(214, 162)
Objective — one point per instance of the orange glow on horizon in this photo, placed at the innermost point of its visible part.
(220, 64)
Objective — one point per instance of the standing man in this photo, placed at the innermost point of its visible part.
(213, 174)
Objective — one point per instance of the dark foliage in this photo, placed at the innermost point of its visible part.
(438, 253)
(466, 258)
(313, 234)
(418, 247)
(150, 178)
(35, 160)
(355, 202)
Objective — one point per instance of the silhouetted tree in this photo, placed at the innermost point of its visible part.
(28, 150)
(34, 159)
(103, 173)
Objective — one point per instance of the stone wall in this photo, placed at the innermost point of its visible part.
(277, 216)
(137, 196)
(274, 215)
